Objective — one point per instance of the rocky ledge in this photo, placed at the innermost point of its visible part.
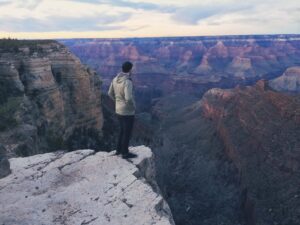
(83, 187)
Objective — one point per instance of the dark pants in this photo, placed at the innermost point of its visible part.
(126, 125)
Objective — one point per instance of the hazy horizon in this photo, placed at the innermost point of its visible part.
(141, 37)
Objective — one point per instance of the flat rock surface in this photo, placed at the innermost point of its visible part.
(81, 187)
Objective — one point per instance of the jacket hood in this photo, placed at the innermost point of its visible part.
(121, 77)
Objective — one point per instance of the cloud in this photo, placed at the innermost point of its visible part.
(133, 5)
(124, 18)
(56, 24)
(4, 2)
(29, 4)
(138, 28)
(192, 14)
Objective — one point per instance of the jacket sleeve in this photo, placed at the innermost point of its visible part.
(128, 92)
(111, 91)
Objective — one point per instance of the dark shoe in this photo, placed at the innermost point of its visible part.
(129, 155)
(117, 153)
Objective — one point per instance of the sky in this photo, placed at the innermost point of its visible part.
(48, 19)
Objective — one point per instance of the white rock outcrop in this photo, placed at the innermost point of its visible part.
(83, 187)
(289, 81)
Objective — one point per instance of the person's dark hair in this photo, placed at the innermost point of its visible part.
(127, 66)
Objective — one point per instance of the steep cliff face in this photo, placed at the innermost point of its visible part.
(83, 187)
(232, 158)
(260, 132)
(48, 99)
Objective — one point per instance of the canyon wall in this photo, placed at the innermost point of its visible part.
(232, 157)
(48, 99)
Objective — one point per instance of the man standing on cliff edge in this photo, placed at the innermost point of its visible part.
(121, 92)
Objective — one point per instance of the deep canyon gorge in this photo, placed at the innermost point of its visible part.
(224, 156)
(220, 113)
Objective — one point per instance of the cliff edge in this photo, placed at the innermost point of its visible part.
(83, 187)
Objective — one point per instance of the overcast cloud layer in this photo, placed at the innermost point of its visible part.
(134, 18)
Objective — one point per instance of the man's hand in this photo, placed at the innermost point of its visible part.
(111, 92)
(129, 93)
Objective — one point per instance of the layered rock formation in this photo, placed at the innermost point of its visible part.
(289, 81)
(220, 61)
(231, 158)
(83, 187)
(190, 65)
(48, 99)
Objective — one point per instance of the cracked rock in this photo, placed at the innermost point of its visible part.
(85, 187)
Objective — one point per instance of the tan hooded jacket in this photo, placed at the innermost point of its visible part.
(121, 91)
